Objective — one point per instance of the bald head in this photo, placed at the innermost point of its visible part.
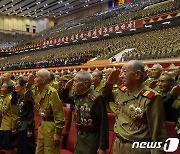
(156, 71)
(132, 74)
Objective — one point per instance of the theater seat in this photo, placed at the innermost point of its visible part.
(111, 121)
(69, 149)
(65, 131)
(37, 119)
(171, 133)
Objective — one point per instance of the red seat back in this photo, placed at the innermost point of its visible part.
(111, 121)
(171, 133)
(68, 119)
(71, 136)
(65, 131)
(37, 119)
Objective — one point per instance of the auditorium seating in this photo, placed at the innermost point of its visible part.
(171, 133)
(111, 121)
(65, 131)
(69, 149)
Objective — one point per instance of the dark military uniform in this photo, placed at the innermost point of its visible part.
(91, 121)
(25, 105)
(140, 117)
(171, 113)
(50, 108)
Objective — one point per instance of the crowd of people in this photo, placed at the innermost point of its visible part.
(141, 99)
(127, 12)
(165, 44)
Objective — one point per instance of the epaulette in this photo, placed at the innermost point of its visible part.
(147, 93)
(123, 88)
(92, 96)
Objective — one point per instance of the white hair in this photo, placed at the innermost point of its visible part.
(85, 76)
(44, 73)
(158, 66)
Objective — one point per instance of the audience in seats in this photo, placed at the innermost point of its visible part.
(148, 45)
(48, 105)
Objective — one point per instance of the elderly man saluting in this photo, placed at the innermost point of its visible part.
(91, 121)
(50, 108)
(139, 110)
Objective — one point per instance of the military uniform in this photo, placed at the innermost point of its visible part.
(170, 112)
(148, 83)
(9, 120)
(54, 84)
(91, 121)
(50, 108)
(140, 117)
(25, 105)
(109, 105)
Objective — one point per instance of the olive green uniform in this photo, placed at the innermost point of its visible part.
(140, 117)
(9, 113)
(148, 83)
(91, 121)
(50, 108)
(54, 84)
(109, 105)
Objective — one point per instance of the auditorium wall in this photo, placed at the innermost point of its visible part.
(11, 23)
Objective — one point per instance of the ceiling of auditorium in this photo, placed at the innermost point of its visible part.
(45, 8)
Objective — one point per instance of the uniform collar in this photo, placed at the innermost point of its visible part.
(138, 90)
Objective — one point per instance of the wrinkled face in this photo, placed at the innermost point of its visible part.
(127, 75)
(79, 85)
(155, 72)
(39, 81)
(4, 89)
(95, 79)
(164, 84)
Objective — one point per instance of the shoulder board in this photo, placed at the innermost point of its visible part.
(92, 96)
(123, 88)
(147, 93)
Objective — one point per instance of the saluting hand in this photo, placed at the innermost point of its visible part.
(69, 84)
(175, 91)
(113, 77)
